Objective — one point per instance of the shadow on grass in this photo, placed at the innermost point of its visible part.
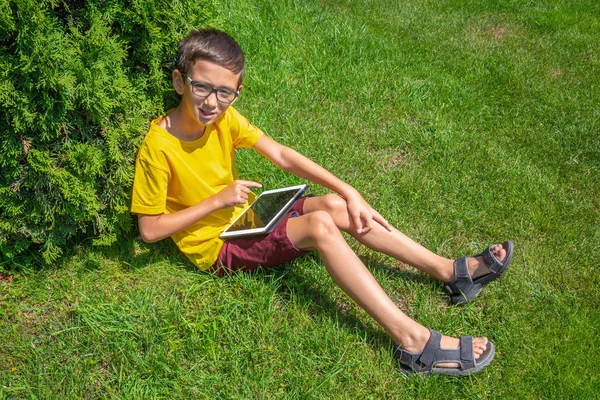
(129, 253)
(132, 254)
(306, 288)
(395, 273)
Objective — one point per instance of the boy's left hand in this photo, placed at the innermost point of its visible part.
(363, 215)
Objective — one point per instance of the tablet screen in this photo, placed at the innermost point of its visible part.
(263, 210)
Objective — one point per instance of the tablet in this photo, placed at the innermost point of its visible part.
(263, 215)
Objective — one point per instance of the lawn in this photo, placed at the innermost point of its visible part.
(464, 122)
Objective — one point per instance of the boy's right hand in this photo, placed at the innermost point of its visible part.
(235, 193)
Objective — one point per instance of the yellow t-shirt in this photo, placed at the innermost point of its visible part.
(173, 174)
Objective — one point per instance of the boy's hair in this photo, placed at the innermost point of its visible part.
(211, 45)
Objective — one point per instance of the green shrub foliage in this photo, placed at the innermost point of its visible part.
(79, 82)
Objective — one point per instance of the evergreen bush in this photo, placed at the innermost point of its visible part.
(79, 82)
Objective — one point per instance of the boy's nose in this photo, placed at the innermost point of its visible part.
(211, 100)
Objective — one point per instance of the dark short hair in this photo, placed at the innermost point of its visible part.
(211, 45)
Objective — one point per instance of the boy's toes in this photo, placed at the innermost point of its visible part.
(479, 346)
(499, 252)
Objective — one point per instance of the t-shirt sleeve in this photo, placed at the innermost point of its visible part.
(149, 186)
(243, 133)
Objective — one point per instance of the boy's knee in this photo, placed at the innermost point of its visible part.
(321, 225)
(334, 204)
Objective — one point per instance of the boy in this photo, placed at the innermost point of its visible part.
(186, 187)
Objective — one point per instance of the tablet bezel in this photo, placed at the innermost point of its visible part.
(271, 225)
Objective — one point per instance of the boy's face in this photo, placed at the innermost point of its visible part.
(207, 77)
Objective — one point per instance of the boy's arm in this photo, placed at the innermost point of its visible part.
(159, 226)
(290, 160)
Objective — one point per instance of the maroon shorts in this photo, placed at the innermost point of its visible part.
(274, 248)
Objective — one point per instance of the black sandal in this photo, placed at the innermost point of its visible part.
(464, 288)
(424, 363)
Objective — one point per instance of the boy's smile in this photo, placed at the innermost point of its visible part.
(211, 79)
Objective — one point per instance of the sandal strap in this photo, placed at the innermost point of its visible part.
(491, 261)
(462, 277)
(467, 357)
(431, 348)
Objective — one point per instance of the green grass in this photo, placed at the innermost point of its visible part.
(463, 122)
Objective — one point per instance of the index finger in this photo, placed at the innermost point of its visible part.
(382, 221)
(249, 183)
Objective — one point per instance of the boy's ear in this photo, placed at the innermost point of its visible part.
(178, 82)
(239, 90)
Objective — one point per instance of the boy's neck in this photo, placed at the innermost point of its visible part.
(175, 123)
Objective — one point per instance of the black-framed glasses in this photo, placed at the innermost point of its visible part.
(203, 90)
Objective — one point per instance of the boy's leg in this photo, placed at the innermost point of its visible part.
(317, 230)
(395, 243)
